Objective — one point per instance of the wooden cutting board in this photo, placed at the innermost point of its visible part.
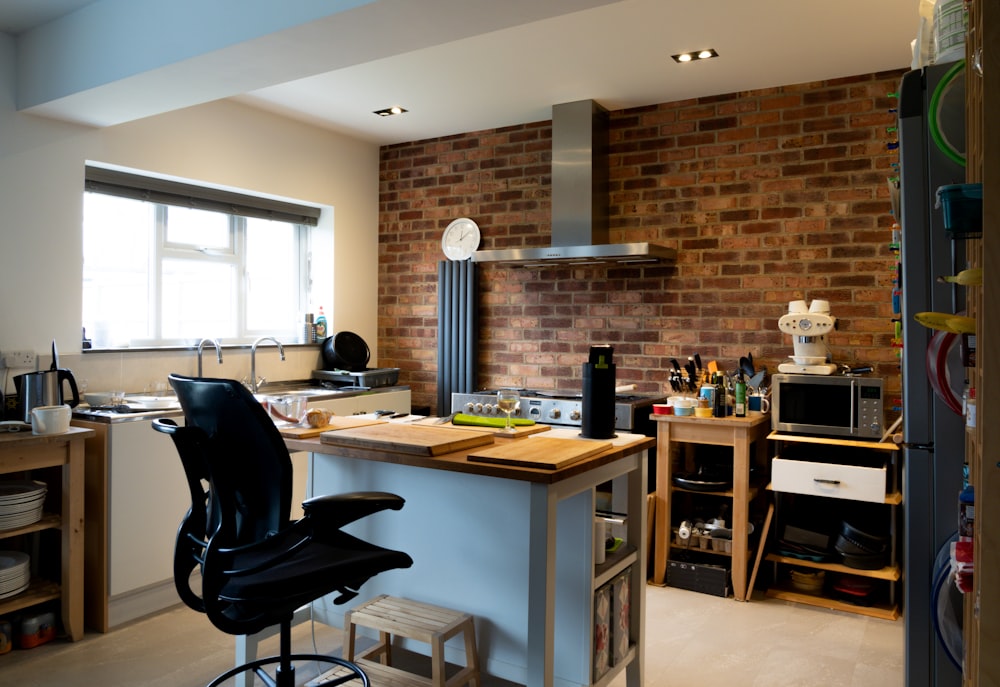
(407, 438)
(498, 432)
(336, 423)
(520, 430)
(540, 452)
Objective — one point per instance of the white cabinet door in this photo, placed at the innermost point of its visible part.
(148, 497)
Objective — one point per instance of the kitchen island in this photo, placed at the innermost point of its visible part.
(514, 546)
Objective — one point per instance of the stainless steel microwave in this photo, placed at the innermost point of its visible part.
(836, 406)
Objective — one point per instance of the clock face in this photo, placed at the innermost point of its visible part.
(460, 239)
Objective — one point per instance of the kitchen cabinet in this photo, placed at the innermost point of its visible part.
(739, 433)
(833, 475)
(137, 495)
(512, 546)
(57, 460)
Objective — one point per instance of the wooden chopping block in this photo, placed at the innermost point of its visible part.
(499, 433)
(407, 438)
(551, 453)
(336, 423)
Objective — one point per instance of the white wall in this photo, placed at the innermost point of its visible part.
(41, 181)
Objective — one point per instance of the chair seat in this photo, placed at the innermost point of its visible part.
(320, 568)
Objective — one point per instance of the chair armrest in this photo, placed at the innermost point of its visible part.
(341, 509)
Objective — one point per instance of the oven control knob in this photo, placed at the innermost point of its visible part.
(555, 414)
(574, 415)
(479, 407)
(488, 408)
(469, 407)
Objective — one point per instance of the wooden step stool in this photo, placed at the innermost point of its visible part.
(422, 622)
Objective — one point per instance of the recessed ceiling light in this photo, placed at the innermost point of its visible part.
(697, 55)
(394, 110)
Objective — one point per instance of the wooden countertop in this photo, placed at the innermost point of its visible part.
(753, 417)
(458, 461)
(26, 438)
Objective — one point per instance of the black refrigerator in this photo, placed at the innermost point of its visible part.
(931, 155)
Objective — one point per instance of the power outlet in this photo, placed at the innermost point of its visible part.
(18, 359)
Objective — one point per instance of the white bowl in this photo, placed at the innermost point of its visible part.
(104, 398)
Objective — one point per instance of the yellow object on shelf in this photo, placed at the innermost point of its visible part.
(948, 322)
(970, 277)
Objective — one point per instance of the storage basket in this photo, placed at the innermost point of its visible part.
(962, 205)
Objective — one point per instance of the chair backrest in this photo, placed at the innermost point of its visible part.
(243, 457)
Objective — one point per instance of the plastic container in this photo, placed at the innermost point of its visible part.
(683, 405)
(6, 638)
(36, 629)
(962, 205)
(320, 325)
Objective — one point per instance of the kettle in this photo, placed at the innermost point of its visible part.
(45, 388)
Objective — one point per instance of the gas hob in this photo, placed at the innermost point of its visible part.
(556, 407)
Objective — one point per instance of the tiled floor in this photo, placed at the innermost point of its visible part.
(693, 640)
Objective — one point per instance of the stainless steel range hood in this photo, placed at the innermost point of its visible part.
(579, 199)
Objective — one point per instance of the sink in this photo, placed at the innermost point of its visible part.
(166, 402)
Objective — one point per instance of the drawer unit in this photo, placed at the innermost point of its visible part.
(833, 480)
(824, 483)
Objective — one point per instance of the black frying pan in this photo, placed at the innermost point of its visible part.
(345, 351)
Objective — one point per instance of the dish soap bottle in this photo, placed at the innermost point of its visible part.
(320, 325)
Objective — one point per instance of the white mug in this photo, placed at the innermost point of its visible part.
(50, 419)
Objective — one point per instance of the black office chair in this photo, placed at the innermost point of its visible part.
(256, 566)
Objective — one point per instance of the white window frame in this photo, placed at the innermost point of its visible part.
(236, 256)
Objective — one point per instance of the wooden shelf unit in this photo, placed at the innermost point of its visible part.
(739, 433)
(23, 453)
(890, 574)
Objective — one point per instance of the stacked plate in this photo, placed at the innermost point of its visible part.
(14, 573)
(21, 503)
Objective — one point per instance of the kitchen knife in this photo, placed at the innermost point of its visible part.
(692, 379)
(446, 418)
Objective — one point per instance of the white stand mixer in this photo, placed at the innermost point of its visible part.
(808, 327)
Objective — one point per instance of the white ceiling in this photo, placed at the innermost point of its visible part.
(479, 64)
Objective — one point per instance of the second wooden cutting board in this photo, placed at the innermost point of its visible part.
(336, 422)
(407, 438)
(551, 453)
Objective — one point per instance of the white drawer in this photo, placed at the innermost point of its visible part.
(835, 480)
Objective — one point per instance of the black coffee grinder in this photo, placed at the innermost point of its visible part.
(598, 420)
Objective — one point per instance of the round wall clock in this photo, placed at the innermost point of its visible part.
(461, 239)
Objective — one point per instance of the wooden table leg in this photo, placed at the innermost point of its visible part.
(72, 540)
(661, 531)
(761, 545)
(741, 510)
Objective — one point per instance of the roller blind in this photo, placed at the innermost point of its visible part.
(138, 187)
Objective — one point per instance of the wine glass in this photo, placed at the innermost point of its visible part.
(507, 400)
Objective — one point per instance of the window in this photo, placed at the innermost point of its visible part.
(166, 264)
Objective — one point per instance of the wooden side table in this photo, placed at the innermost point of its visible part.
(737, 432)
(23, 451)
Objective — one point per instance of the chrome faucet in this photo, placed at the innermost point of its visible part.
(201, 346)
(253, 359)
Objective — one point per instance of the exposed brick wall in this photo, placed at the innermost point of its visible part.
(768, 196)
